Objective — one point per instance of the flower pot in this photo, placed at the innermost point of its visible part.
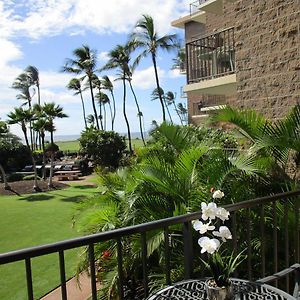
(215, 292)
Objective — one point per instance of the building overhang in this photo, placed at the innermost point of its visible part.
(199, 17)
(225, 85)
(212, 6)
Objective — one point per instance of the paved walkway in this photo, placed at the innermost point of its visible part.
(74, 291)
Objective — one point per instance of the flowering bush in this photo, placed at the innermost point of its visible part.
(220, 265)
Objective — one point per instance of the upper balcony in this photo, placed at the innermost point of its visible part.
(211, 63)
(198, 10)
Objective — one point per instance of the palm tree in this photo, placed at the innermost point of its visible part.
(170, 99)
(33, 74)
(107, 85)
(85, 62)
(52, 111)
(90, 120)
(75, 85)
(147, 38)
(102, 100)
(139, 114)
(182, 112)
(23, 117)
(97, 84)
(3, 132)
(156, 94)
(119, 59)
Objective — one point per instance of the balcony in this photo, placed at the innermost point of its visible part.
(212, 6)
(267, 227)
(211, 63)
(207, 105)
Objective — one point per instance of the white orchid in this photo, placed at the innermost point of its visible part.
(201, 227)
(218, 194)
(223, 233)
(222, 214)
(208, 245)
(209, 211)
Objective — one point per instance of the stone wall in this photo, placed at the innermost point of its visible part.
(267, 39)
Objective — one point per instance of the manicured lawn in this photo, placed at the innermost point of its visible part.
(36, 219)
(73, 146)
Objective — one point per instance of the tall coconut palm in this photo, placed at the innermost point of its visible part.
(119, 60)
(40, 125)
(3, 132)
(23, 117)
(23, 83)
(107, 85)
(103, 99)
(156, 94)
(75, 85)
(85, 62)
(170, 99)
(139, 114)
(147, 38)
(52, 111)
(33, 74)
(182, 112)
(97, 84)
(90, 120)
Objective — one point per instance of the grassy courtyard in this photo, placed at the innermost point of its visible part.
(36, 219)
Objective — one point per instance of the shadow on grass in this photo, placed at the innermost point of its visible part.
(84, 187)
(73, 199)
(37, 197)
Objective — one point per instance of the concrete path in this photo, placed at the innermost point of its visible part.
(74, 291)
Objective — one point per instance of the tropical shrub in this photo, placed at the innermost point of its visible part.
(15, 177)
(105, 148)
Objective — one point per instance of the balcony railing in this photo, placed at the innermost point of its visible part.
(194, 6)
(211, 56)
(268, 227)
(208, 103)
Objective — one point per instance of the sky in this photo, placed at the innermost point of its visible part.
(43, 33)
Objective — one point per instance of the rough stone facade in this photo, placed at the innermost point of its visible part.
(267, 43)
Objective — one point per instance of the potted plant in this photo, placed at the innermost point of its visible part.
(220, 265)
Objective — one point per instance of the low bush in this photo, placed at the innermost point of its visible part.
(15, 177)
(30, 177)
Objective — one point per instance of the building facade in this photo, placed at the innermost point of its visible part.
(245, 53)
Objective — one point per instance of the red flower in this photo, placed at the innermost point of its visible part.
(106, 254)
(212, 189)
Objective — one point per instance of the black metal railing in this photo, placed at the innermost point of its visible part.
(208, 103)
(268, 227)
(211, 56)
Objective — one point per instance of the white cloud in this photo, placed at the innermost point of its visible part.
(103, 56)
(145, 79)
(9, 52)
(51, 17)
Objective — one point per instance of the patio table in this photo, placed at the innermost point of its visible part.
(194, 289)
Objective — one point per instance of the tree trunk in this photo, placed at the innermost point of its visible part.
(139, 113)
(39, 103)
(83, 109)
(158, 88)
(177, 113)
(114, 114)
(93, 103)
(111, 116)
(35, 186)
(125, 116)
(6, 186)
(169, 112)
(104, 118)
(44, 154)
(50, 183)
(100, 115)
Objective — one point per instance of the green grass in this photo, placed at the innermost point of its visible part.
(73, 146)
(36, 219)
